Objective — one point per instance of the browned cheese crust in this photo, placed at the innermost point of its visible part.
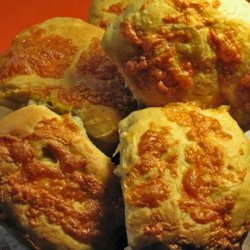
(194, 50)
(55, 184)
(60, 63)
(103, 12)
(185, 175)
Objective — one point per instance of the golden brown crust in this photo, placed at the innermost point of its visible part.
(60, 63)
(184, 173)
(103, 12)
(60, 188)
(46, 56)
(185, 51)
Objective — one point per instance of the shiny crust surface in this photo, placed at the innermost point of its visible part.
(194, 50)
(54, 183)
(185, 176)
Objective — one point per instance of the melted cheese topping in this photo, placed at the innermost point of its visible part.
(207, 167)
(94, 78)
(100, 83)
(96, 66)
(188, 50)
(54, 181)
(39, 53)
(103, 12)
(152, 190)
(158, 54)
(179, 182)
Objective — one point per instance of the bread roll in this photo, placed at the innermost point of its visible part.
(185, 176)
(56, 186)
(4, 111)
(103, 12)
(194, 50)
(59, 63)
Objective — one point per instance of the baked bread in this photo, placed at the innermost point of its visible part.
(103, 12)
(185, 175)
(54, 183)
(59, 63)
(193, 50)
(4, 111)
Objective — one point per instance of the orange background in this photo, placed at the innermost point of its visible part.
(17, 15)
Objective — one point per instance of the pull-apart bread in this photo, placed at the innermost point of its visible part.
(59, 63)
(103, 12)
(185, 176)
(57, 187)
(192, 50)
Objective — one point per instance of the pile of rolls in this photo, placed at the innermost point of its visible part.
(133, 122)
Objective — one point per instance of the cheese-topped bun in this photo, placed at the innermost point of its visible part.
(103, 12)
(193, 50)
(58, 188)
(59, 63)
(186, 177)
